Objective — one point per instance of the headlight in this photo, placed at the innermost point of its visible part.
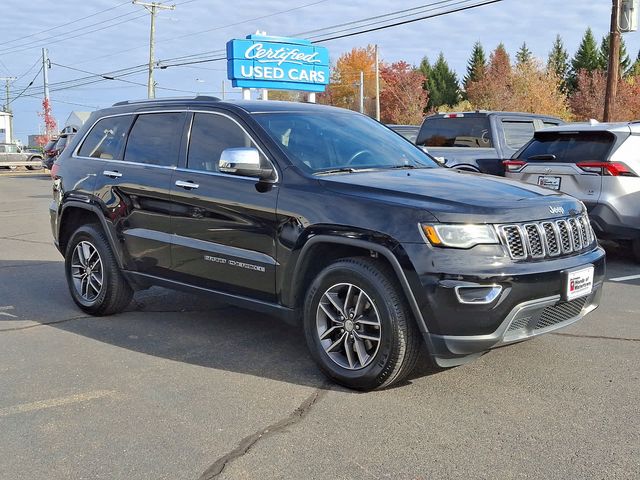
(459, 236)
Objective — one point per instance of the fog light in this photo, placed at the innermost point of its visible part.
(477, 294)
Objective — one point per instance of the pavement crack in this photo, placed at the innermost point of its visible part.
(248, 442)
(80, 317)
(25, 240)
(599, 337)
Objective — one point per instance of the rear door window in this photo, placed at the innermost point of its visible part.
(517, 133)
(106, 139)
(441, 131)
(155, 139)
(569, 147)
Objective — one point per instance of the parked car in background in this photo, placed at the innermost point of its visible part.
(57, 149)
(323, 217)
(49, 153)
(598, 163)
(12, 153)
(479, 141)
(410, 132)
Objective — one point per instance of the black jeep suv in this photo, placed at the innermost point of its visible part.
(321, 216)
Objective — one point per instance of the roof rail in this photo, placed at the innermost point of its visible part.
(168, 99)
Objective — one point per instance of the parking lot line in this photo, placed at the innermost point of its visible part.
(624, 279)
(55, 402)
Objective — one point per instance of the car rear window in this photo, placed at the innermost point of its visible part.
(517, 133)
(569, 147)
(443, 131)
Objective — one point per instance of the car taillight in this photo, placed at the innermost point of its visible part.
(54, 170)
(609, 169)
(513, 165)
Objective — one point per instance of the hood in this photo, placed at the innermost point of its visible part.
(456, 196)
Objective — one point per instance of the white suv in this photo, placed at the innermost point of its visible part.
(597, 163)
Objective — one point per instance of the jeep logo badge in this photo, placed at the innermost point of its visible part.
(556, 210)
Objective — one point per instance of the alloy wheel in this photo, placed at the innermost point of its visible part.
(87, 271)
(348, 326)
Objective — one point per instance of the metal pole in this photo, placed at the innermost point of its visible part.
(222, 89)
(312, 97)
(246, 94)
(361, 92)
(613, 73)
(377, 86)
(45, 73)
(152, 8)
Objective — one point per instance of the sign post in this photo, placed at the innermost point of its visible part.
(277, 63)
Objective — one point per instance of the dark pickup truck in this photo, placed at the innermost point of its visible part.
(479, 141)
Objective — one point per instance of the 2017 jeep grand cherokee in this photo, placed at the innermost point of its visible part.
(323, 216)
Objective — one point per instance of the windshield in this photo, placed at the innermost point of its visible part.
(324, 142)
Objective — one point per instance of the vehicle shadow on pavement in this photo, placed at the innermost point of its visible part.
(171, 325)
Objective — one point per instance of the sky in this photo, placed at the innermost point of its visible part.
(121, 39)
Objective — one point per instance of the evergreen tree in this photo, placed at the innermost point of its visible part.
(603, 56)
(558, 61)
(425, 69)
(634, 70)
(476, 66)
(524, 55)
(586, 58)
(442, 84)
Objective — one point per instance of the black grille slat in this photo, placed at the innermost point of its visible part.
(536, 249)
(560, 312)
(548, 238)
(552, 240)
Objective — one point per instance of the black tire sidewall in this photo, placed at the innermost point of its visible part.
(90, 234)
(344, 272)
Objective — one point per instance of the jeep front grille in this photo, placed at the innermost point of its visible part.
(548, 239)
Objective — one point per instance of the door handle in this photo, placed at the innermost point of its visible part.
(187, 185)
(112, 174)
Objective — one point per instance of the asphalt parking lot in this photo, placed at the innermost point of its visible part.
(181, 387)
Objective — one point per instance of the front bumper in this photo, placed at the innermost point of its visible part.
(526, 320)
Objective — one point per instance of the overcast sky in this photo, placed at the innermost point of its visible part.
(511, 21)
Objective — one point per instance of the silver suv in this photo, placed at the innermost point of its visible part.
(597, 163)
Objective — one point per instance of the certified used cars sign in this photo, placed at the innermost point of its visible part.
(277, 63)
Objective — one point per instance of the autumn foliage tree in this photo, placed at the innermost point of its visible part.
(402, 99)
(587, 101)
(343, 90)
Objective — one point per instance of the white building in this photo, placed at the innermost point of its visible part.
(5, 127)
(75, 120)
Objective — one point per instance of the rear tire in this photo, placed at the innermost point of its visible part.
(38, 164)
(358, 326)
(95, 281)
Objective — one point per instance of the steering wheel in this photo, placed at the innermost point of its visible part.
(357, 155)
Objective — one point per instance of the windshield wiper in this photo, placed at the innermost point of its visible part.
(403, 166)
(337, 170)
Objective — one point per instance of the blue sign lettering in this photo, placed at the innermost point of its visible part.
(277, 63)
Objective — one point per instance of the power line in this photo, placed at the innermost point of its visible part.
(25, 89)
(64, 24)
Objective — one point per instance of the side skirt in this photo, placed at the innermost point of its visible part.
(288, 315)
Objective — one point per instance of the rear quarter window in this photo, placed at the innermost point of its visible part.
(569, 147)
(517, 133)
(472, 132)
(106, 138)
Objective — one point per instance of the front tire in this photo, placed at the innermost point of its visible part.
(358, 326)
(95, 281)
(38, 164)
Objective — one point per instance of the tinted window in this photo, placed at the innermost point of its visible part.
(456, 132)
(210, 135)
(329, 141)
(61, 143)
(106, 138)
(569, 147)
(49, 145)
(155, 139)
(516, 134)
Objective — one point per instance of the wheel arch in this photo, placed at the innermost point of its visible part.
(74, 214)
(341, 246)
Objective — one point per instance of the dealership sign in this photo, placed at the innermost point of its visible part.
(277, 63)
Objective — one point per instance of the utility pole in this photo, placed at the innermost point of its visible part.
(377, 86)
(49, 121)
(152, 8)
(613, 72)
(45, 73)
(361, 92)
(7, 105)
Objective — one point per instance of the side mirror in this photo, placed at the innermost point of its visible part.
(244, 162)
